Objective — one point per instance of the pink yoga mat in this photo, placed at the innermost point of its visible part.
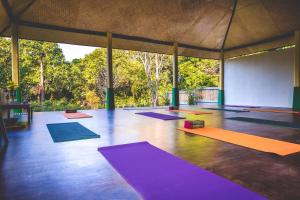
(77, 115)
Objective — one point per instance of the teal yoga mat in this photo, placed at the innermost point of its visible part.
(64, 132)
(267, 122)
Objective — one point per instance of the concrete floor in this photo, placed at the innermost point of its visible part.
(34, 167)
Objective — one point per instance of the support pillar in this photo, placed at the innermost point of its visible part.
(296, 96)
(175, 90)
(110, 99)
(221, 80)
(15, 70)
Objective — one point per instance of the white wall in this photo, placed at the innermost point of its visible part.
(260, 80)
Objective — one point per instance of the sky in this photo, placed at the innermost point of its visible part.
(75, 51)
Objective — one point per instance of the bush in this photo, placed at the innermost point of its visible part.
(55, 105)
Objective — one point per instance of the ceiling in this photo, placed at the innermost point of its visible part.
(202, 28)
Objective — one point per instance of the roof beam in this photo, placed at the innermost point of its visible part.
(229, 24)
(260, 42)
(15, 19)
(115, 35)
(8, 10)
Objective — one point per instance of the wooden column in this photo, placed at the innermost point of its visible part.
(175, 90)
(110, 100)
(15, 69)
(296, 96)
(221, 80)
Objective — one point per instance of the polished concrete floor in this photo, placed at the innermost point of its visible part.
(34, 167)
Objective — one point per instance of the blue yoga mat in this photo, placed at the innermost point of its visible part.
(158, 175)
(159, 116)
(63, 132)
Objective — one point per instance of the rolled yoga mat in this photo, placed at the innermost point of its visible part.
(267, 122)
(64, 132)
(229, 110)
(158, 175)
(245, 140)
(159, 116)
(76, 115)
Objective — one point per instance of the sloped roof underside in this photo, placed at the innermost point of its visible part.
(202, 28)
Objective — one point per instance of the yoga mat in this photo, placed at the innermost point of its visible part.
(158, 175)
(144, 108)
(159, 116)
(238, 106)
(225, 109)
(267, 122)
(63, 132)
(190, 112)
(76, 115)
(274, 111)
(245, 140)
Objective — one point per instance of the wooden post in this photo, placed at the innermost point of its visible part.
(221, 80)
(15, 69)
(175, 90)
(110, 102)
(296, 96)
(15, 54)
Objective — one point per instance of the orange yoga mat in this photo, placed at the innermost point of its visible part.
(251, 141)
(274, 111)
(77, 115)
(190, 112)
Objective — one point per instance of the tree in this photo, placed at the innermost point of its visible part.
(153, 64)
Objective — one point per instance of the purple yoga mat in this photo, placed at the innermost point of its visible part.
(158, 175)
(159, 115)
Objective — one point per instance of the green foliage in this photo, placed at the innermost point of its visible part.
(81, 84)
(195, 73)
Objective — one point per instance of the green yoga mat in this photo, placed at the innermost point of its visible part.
(225, 109)
(267, 122)
(64, 132)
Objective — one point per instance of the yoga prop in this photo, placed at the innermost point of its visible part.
(267, 122)
(173, 107)
(193, 124)
(190, 112)
(245, 140)
(229, 110)
(76, 115)
(273, 111)
(159, 175)
(71, 111)
(63, 132)
(159, 116)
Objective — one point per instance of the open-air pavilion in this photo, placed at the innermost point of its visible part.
(258, 45)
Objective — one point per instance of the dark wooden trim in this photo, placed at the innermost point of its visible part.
(141, 39)
(60, 28)
(115, 35)
(8, 10)
(198, 48)
(260, 42)
(229, 24)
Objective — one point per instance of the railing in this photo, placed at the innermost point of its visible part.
(202, 95)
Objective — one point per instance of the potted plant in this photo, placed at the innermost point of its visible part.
(11, 88)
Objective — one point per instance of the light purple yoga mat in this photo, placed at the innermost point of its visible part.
(159, 116)
(158, 175)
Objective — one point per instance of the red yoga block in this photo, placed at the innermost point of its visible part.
(188, 124)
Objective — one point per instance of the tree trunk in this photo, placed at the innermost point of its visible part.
(42, 91)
